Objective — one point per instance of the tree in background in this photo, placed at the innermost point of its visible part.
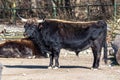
(81, 10)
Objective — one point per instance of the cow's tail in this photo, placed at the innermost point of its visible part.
(105, 52)
(105, 43)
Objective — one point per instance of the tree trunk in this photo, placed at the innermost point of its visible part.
(34, 5)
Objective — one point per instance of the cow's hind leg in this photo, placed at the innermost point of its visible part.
(96, 48)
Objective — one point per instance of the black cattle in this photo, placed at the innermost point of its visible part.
(51, 35)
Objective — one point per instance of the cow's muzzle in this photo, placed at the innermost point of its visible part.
(25, 35)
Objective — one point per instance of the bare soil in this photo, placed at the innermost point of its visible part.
(71, 68)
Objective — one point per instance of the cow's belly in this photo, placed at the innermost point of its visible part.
(76, 45)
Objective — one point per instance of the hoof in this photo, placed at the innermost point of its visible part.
(49, 67)
(94, 69)
(55, 67)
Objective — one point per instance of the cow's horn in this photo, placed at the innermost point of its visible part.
(23, 19)
(118, 20)
(40, 21)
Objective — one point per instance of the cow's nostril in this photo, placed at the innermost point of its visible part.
(24, 34)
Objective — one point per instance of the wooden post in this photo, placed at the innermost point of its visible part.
(88, 12)
(54, 9)
(115, 10)
(14, 12)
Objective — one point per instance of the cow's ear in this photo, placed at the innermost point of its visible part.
(40, 25)
(42, 16)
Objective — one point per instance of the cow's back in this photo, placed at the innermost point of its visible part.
(74, 35)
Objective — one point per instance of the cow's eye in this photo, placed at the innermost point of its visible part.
(32, 28)
(34, 25)
(26, 25)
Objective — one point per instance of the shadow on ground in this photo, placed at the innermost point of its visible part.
(42, 66)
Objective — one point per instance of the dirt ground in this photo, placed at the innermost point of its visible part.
(71, 68)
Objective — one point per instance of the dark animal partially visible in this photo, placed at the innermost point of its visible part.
(116, 43)
(22, 48)
(51, 35)
(116, 47)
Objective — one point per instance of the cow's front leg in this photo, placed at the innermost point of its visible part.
(56, 61)
(51, 61)
(56, 57)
